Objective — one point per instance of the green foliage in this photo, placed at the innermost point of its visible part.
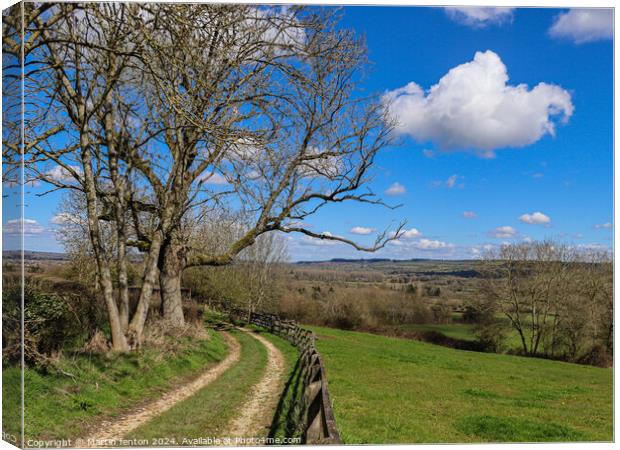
(389, 390)
(52, 322)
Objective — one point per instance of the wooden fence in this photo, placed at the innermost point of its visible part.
(319, 422)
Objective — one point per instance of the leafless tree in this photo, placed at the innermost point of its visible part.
(262, 101)
(557, 297)
(527, 287)
(141, 107)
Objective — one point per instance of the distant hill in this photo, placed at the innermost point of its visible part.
(377, 260)
(33, 255)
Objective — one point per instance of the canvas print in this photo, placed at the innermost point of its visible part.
(253, 224)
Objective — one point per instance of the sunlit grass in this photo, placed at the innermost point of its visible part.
(100, 386)
(389, 390)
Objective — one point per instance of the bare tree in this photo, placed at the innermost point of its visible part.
(155, 102)
(557, 297)
(259, 265)
(268, 110)
(526, 287)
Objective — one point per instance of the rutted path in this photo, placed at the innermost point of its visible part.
(254, 417)
(132, 420)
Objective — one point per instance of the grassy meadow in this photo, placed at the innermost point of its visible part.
(390, 390)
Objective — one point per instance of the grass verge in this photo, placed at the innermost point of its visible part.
(103, 386)
(206, 414)
(389, 390)
(287, 417)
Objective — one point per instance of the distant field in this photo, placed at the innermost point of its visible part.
(461, 331)
(465, 332)
(388, 390)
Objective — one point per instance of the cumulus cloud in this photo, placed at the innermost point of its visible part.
(428, 244)
(361, 230)
(536, 218)
(479, 250)
(396, 189)
(30, 226)
(213, 178)
(318, 242)
(65, 219)
(411, 233)
(584, 25)
(469, 214)
(473, 107)
(505, 232)
(60, 174)
(480, 17)
(606, 225)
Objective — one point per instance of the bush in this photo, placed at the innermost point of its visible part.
(52, 322)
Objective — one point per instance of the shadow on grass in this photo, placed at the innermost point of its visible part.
(287, 420)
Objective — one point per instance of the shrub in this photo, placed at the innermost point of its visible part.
(52, 322)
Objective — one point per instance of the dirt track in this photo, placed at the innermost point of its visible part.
(254, 417)
(110, 431)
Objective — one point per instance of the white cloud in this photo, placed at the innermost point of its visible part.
(480, 17)
(396, 189)
(537, 175)
(584, 25)
(469, 214)
(361, 230)
(505, 232)
(213, 178)
(606, 225)
(450, 182)
(60, 174)
(411, 233)
(473, 108)
(14, 226)
(65, 219)
(427, 244)
(318, 242)
(536, 218)
(321, 163)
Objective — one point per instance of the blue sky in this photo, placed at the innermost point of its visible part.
(566, 177)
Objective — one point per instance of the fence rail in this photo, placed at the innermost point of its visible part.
(319, 422)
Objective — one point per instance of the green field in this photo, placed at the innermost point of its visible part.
(465, 332)
(389, 390)
(462, 331)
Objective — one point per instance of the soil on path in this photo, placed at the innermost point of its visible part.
(254, 417)
(111, 431)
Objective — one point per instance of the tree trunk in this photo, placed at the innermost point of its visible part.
(136, 327)
(171, 266)
(123, 287)
(119, 343)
